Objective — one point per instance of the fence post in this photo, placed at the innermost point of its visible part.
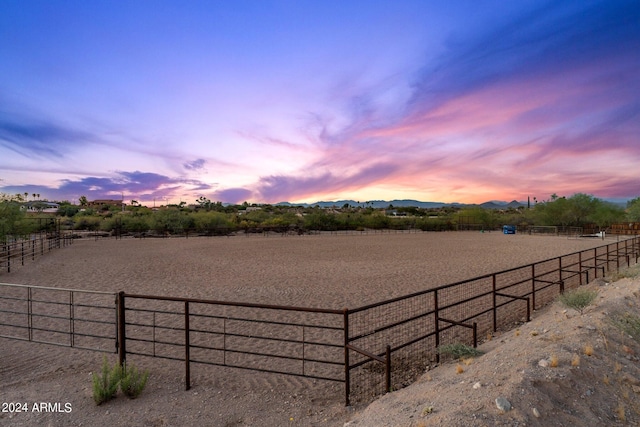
(30, 313)
(347, 371)
(122, 348)
(71, 320)
(187, 357)
(388, 368)
(475, 334)
(580, 267)
(495, 304)
(560, 278)
(533, 284)
(9, 259)
(436, 323)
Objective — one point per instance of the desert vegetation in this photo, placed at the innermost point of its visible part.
(127, 378)
(459, 350)
(578, 299)
(215, 218)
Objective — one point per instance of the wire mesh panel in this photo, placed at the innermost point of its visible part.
(415, 325)
(406, 325)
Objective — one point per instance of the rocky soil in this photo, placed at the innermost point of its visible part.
(561, 369)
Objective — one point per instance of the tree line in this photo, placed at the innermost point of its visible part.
(579, 210)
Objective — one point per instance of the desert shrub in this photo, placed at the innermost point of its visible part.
(350, 221)
(136, 224)
(459, 350)
(171, 221)
(105, 384)
(133, 381)
(630, 272)
(376, 221)
(320, 220)
(578, 299)
(434, 224)
(85, 222)
(628, 323)
(211, 221)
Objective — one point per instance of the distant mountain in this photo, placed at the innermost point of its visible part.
(496, 204)
(376, 204)
(381, 204)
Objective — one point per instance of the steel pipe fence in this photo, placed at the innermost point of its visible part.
(57, 316)
(298, 341)
(399, 338)
(17, 252)
(370, 349)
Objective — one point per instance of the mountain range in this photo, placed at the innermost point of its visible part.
(379, 204)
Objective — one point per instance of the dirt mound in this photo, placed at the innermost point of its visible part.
(561, 369)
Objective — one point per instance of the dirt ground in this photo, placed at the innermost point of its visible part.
(313, 271)
(596, 381)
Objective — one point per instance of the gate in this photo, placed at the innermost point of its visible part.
(63, 317)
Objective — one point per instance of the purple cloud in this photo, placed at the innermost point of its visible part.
(194, 165)
(39, 138)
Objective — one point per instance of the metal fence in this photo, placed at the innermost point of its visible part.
(370, 349)
(63, 317)
(298, 341)
(17, 252)
(391, 342)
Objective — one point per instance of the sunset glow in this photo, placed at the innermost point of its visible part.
(270, 101)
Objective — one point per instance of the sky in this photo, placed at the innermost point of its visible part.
(303, 101)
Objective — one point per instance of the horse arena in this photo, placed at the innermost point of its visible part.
(325, 271)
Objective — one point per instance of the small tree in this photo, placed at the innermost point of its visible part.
(10, 215)
(606, 214)
(633, 210)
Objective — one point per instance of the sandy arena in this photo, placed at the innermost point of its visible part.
(327, 271)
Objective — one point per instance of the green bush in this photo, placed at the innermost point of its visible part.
(627, 323)
(84, 222)
(459, 350)
(629, 272)
(136, 224)
(105, 385)
(133, 381)
(130, 380)
(211, 222)
(578, 299)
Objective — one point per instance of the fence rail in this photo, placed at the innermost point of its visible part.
(19, 251)
(369, 349)
(299, 341)
(63, 317)
(408, 330)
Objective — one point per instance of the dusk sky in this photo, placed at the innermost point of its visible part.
(301, 101)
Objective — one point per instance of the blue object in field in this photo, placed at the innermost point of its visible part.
(509, 229)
